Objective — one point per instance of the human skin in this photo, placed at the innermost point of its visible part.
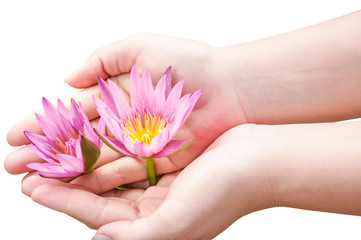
(309, 75)
(250, 167)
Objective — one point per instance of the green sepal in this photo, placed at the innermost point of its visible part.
(181, 148)
(105, 141)
(122, 188)
(90, 153)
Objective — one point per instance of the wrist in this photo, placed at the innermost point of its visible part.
(250, 76)
(318, 168)
(251, 166)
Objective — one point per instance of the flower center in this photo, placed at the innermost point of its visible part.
(144, 130)
(66, 147)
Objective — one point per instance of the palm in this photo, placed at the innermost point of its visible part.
(165, 210)
(216, 111)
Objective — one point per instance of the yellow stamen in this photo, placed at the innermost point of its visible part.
(56, 151)
(56, 160)
(146, 130)
(60, 145)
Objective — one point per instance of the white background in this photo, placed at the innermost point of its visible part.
(41, 42)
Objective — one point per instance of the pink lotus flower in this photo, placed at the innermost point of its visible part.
(70, 146)
(147, 127)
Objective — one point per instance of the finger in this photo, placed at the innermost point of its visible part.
(184, 210)
(91, 209)
(121, 172)
(111, 60)
(16, 137)
(107, 155)
(167, 180)
(33, 180)
(144, 184)
(152, 198)
(160, 224)
(164, 181)
(15, 162)
(107, 177)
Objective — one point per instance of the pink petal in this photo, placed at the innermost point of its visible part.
(182, 114)
(52, 116)
(40, 153)
(88, 129)
(71, 163)
(45, 167)
(177, 124)
(51, 112)
(51, 170)
(49, 109)
(128, 144)
(66, 122)
(42, 143)
(63, 110)
(192, 101)
(107, 96)
(120, 102)
(168, 75)
(173, 98)
(78, 150)
(147, 90)
(91, 135)
(101, 126)
(104, 110)
(59, 174)
(65, 117)
(111, 121)
(116, 144)
(48, 127)
(108, 116)
(84, 117)
(135, 90)
(181, 108)
(99, 103)
(114, 98)
(77, 115)
(159, 95)
(171, 147)
(141, 149)
(159, 141)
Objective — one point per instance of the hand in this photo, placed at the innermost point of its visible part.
(199, 64)
(226, 182)
(250, 167)
(268, 81)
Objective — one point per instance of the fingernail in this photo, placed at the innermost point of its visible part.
(101, 237)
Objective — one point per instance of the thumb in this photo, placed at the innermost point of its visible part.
(111, 60)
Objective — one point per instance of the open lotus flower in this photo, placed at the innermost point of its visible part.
(146, 128)
(70, 146)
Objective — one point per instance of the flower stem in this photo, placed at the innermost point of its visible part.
(152, 177)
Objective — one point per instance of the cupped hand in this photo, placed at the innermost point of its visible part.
(201, 67)
(229, 180)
